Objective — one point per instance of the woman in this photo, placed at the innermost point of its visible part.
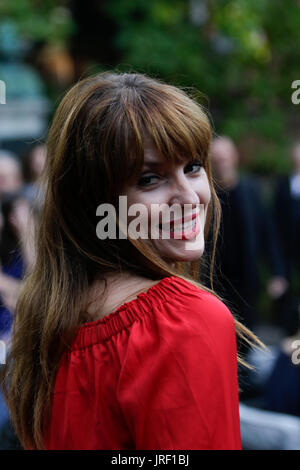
(124, 349)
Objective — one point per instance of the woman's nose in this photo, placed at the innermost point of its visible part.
(183, 191)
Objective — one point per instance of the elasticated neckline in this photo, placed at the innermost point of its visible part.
(125, 315)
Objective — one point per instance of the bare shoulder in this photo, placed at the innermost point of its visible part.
(119, 289)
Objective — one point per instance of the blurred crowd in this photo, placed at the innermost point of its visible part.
(255, 232)
(20, 200)
(252, 232)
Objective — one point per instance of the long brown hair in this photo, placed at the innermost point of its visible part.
(95, 147)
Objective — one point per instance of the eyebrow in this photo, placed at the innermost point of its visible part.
(153, 164)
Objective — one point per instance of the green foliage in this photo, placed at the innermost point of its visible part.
(39, 20)
(243, 55)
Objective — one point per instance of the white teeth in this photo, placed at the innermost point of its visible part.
(184, 227)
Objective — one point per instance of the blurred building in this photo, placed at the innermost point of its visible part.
(24, 116)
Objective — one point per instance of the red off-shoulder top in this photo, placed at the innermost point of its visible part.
(159, 373)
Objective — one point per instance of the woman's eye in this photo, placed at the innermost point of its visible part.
(146, 180)
(196, 165)
(151, 179)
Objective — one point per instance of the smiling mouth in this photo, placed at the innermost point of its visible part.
(178, 227)
(182, 231)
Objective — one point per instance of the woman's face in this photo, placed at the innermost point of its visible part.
(179, 235)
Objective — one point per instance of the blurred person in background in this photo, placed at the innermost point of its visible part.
(16, 250)
(11, 183)
(281, 391)
(246, 233)
(11, 178)
(33, 167)
(287, 217)
(269, 397)
(16, 254)
(270, 418)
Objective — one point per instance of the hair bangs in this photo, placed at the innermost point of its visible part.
(159, 116)
(175, 125)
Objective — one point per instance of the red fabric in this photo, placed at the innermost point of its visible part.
(159, 373)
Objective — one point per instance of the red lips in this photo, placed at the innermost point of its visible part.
(184, 219)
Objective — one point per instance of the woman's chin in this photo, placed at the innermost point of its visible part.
(184, 255)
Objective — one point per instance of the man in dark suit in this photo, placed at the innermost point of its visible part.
(247, 234)
(287, 218)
